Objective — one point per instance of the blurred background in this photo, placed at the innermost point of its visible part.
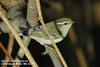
(84, 35)
(81, 47)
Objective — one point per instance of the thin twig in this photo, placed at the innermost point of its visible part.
(10, 45)
(53, 55)
(7, 54)
(18, 39)
(20, 52)
(45, 28)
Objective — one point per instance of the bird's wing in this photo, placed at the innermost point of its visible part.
(42, 34)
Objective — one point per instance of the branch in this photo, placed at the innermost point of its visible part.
(18, 39)
(20, 52)
(53, 55)
(45, 29)
(10, 46)
(7, 54)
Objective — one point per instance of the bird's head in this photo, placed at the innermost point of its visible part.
(64, 25)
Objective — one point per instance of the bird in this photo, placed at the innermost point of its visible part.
(58, 30)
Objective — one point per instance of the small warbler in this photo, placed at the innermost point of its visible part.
(58, 30)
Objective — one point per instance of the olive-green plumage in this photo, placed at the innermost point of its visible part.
(58, 30)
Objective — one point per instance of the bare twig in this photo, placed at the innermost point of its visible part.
(43, 24)
(20, 53)
(7, 54)
(53, 55)
(10, 45)
(18, 39)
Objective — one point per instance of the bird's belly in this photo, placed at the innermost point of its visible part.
(43, 41)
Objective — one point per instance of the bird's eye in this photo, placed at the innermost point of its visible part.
(65, 23)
